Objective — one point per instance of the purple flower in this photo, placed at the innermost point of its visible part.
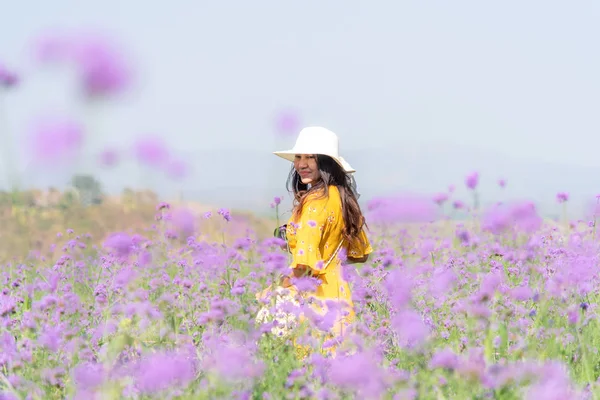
(164, 370)
(401, 208)
(502, 183)
(151, 150)
(518, 216)
(361, 373)
(50, 338)
(109, 158)
(308, 284)
(53, 140)
(53, 48)
(573, 315)
(5, 395)
(442, 281)
(458, 205)
(287, 123)
(410, 327)
(7, 305)
(223, 212)
(7, 78)
(463, 235)
(553, 383)
(120, 243)
(88, 376)
(399, 287)
(103, 69)
(276, 202)
(177, 169)
(163, 206)
(184, 221)
(440, 198)
(522, 293)
(444, 358)
(233, 362)
(562, 197)
(472, 180)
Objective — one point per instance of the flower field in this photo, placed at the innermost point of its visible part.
(502, 306)
(146, 300)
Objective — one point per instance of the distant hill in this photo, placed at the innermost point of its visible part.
(249, 179)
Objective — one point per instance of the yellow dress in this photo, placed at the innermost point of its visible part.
(313, 240)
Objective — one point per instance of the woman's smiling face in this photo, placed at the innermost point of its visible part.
(306, 166)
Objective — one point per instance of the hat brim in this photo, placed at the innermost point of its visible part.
(290, 155)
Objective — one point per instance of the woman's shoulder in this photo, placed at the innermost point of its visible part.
(318, 199)
(333, 193)
(331, 201)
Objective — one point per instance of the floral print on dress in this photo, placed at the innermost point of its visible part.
(313, 240)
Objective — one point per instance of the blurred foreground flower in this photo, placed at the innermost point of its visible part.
(562, 197)
(521, 216)
(287, 123)
(7, 78)
(401, 208)
(164, 371)
(184, 221)
(121, 244)
(102, 68)
(362, 373)
(440, 198)
(109, 158)
(177, 169)
(472, 180)
(154, 152)
(151, 151)
(54, 140)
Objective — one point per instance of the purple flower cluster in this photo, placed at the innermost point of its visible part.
(55, 140)
(508, 305)
(152, 151)
(103, 68)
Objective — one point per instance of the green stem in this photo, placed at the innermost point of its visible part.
(586, 366)
(7, 146)
(10, 387)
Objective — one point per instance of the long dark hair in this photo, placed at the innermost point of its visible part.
(331, 174)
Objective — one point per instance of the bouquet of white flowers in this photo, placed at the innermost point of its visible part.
(280, 311)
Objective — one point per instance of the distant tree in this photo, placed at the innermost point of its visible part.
(88, 188)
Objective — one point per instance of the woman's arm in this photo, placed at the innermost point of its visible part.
(300, 271)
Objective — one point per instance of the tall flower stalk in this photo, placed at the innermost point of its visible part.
(8, 80)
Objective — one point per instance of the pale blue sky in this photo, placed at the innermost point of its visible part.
(516, 78)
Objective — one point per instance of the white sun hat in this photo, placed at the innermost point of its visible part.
(316, 140)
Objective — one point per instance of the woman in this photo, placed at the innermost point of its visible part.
(326, 219)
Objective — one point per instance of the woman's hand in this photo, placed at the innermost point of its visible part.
(300, 271)
(286, 282)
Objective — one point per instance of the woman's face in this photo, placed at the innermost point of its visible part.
(306, 166)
